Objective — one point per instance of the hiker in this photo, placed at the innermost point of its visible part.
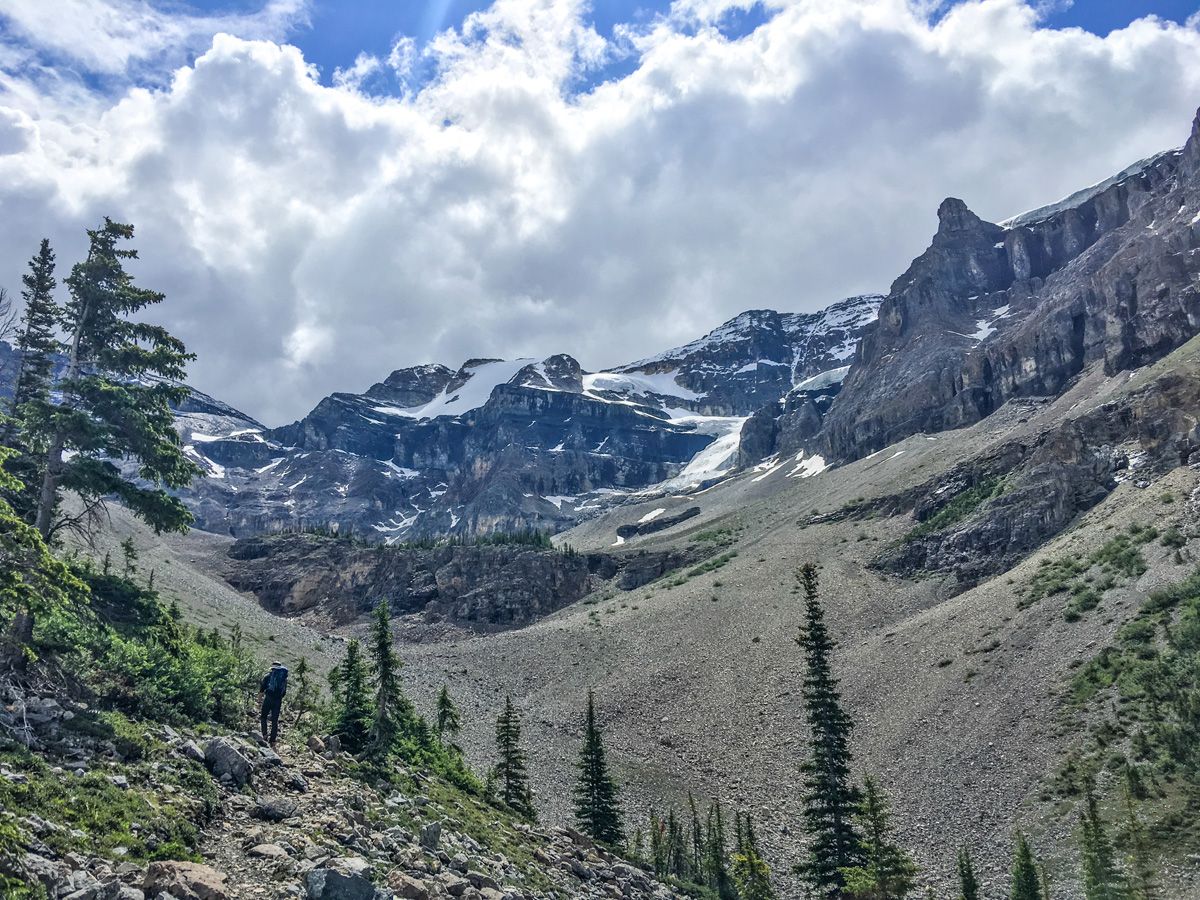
(274, 686)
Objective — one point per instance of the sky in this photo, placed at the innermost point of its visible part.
(327, 191)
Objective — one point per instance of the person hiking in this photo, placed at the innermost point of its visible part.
(274, 686)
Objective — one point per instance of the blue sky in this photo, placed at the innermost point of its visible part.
(341, 29)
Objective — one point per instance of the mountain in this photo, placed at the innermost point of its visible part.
(501, 445)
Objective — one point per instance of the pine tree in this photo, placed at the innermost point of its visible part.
(512, 779)
(354, 713)
(677, 856)
(596, 806)
(1101, 878)
(887, 872)
(1025, 884)
(448, 722)
(968, 884)
(392, 709)
(830, 798)
(1142, 885)
(122, 377)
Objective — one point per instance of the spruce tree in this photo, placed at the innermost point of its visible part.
(1025, 883)
(830, 798)
(596, 806)
(303, 697)
(968, 883)
(887, 872)
(354, 714)
(658, 845)
(123, 376)
(392, 709)
(1101, 878)
(512, 779)
(448, 722)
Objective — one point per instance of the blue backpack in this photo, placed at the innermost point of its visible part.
(277, 681)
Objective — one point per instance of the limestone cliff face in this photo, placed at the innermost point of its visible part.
(484, 587)
(989, 312)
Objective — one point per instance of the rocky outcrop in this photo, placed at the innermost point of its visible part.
(481, 586)
(988, 313)
(1025, 493)
(661, 523)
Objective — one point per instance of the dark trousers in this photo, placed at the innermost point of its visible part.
(270, 710)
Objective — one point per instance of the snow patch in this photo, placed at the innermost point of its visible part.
(652, 515)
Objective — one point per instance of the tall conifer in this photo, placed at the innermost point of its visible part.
(830, 798)
(1025, 882)
(354, 714)
(511, 775)
(1142, 884)
(596, 806)
(393, 712)
(123, 376)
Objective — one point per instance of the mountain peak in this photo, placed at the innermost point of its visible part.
(955, 216)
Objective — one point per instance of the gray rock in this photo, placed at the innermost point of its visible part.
(224, 760)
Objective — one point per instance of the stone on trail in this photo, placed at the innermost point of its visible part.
(274, 809)
(344, 878)
(223, 758)
(185, 881)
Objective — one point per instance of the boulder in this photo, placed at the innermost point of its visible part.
(431, 835)
(344, 878)
(185, 881)
(191, 750)
(407, 887)
(223, 758)
(274, 809)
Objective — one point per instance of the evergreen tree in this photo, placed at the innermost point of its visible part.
(36, 345)
(887, 872)
(512, 779)
(122, 378)
(751, 876)
(698, 850)
(1142, 885)
(830, 799)
(968, 884)
(596, 806)
(716, 862)
(392, 709)
(1025, 884)
(1101, 878)
(677, 855)
(448, 722)
(354, 713)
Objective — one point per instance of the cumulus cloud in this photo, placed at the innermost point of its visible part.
(313, 237)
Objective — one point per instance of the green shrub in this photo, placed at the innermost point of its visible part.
(960, 507)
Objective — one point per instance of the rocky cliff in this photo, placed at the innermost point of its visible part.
(480, 586)
(990, 312)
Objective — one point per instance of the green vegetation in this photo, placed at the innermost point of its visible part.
(960, 507)
(887, 870)
(693, 855)
(1085, 579)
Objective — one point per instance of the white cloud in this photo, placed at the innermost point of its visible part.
(311, 238)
